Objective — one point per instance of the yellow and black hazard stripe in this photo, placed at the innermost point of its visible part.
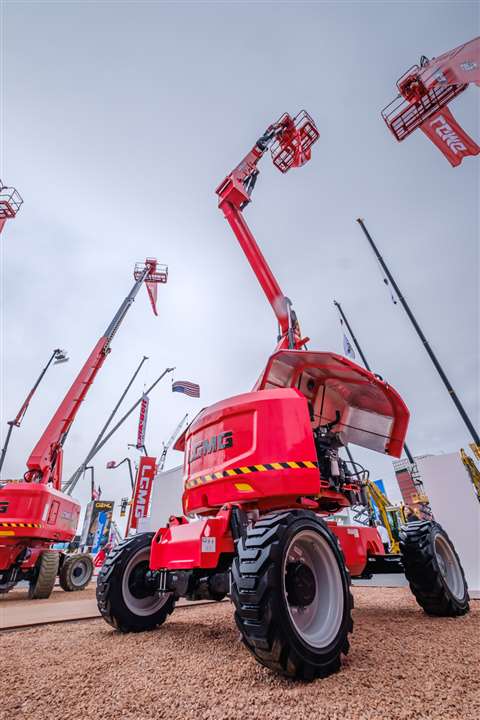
(247, 469)
(20, 525)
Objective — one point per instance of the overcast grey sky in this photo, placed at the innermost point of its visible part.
(119, 119)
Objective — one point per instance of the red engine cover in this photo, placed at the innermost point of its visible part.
(252, 447)
(34, 510)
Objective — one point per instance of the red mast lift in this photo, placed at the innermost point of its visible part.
(34, 513)
(425, 90)
(10, 203)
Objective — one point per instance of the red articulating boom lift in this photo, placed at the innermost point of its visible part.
(424, 92)
(35, 513)
(263, 476)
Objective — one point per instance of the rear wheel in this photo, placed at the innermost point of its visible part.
(291, 593)
(433, 569)
(125, 598)
(44, 575)
(76, 572)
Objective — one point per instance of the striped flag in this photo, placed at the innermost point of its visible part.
(188, 388)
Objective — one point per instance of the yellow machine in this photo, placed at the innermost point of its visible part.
(392, 516)
(471, 467)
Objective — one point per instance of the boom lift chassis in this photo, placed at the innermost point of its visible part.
(263, 476)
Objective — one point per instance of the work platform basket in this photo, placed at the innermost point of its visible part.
(157, 273)
(10, 202)
(292, 148)
(420, 96)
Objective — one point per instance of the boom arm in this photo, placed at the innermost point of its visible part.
(45, 461)
(290, 141)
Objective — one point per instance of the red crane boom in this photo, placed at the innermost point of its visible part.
(45, 461)
(290, 141)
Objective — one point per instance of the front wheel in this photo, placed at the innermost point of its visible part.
(433, 569)
(125, 598)
(292, 596)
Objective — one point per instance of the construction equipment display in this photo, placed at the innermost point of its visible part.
(424, 92)
(35, 513)
(263, 474)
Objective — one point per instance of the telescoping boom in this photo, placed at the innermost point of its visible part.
(45, 461)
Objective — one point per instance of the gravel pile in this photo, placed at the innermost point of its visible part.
(402, 664)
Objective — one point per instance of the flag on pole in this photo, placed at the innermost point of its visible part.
(347, 346)
(142, 422)
(186, 387)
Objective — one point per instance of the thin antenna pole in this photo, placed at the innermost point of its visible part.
(365, 362)
(120, 422)
(422, 337)
(72, 481)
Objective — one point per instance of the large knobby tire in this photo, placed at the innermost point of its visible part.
(76, 572)
(124, 599)
(292, 595)
(44, 576)
(433, 569)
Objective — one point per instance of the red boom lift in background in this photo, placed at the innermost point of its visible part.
(263, 475)
(424, 93)
(35, 513)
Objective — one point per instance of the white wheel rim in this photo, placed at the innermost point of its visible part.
(80, 572)
(140, 606)
(449, 566)
(319, 622)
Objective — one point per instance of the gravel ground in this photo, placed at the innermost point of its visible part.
(402, 665)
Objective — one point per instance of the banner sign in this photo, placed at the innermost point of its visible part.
(143, 489)
(444, 131)
(142, 422)
(98, 514)
(97, 541)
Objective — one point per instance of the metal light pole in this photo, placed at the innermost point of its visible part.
(365, 362)
(112, 465)
(58, 356)
(422, 337)
(92, 471)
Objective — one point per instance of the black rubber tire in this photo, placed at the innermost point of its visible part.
(111, 600)
(422, 570)
(67, 574)
(45, 574)
(258, 594)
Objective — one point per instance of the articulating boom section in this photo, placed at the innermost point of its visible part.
(45, 462)
(290, 141)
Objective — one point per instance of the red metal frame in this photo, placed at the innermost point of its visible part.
(10, 203)
(425, 89)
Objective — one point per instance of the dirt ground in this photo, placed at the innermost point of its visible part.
(402, 665)
(58, 595)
